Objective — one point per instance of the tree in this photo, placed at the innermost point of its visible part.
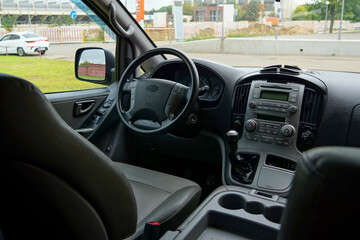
(167, 9)
(63, 20)
(306, 12)
(240, 12)
(9, 21)
(253, 10)
(188, 9)
(351, 10)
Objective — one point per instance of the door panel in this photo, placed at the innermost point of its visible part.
(67, 104)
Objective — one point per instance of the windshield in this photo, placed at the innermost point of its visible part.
(317, 34)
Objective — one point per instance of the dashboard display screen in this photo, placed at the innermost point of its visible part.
(270, 118)
(282, 96)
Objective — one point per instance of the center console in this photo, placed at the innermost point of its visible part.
(266, 152)
(232, 212)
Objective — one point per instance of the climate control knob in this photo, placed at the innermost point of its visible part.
(252, 104)
(287, 131)
(250, 125)
(293, 109)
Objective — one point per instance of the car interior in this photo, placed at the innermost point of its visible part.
(180, 148)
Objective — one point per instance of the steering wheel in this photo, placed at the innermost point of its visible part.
(154, 103)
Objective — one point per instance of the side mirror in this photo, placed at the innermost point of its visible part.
(96, 65)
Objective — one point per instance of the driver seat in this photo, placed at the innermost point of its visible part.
(55, 184)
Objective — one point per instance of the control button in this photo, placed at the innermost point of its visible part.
(252, 104)
(275, 132)
(260, 107)
(278, 109)
(279, 141)
(261, 130)
(251, 137)
(283, 110)
(268, 131)
(108, 103)
(262, 124)
(293, 109)
(293, 94)
(262, 103)
(276, 126)
(266, 108)
(292, 99)
(283, 105)
(250, 125)
(287, 130)
(265, 139)
(287, 143)
(268, 125)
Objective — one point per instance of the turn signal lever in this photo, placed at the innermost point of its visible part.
(241, 169)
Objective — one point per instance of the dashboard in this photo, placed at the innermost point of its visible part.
(278, 112)
(210, 83)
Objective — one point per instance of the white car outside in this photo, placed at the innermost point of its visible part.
(22, 43)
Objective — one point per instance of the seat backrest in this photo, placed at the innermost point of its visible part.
(324, 202)
(36, 143)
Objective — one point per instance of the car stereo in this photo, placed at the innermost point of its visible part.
(272, 115)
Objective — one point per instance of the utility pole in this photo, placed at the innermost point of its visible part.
(217, 11)
(342, 14)
(28, 2)
(327, 4)
(223, 25)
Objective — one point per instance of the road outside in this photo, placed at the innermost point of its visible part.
(350, 64)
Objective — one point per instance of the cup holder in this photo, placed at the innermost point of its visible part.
(273, 214)
(236, 202)
(254, 207)
(232, 202)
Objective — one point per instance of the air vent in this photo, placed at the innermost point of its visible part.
(281, 69)
(240, 99)
(311, 106)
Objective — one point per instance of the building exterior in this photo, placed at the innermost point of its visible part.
(286, 7)
(208, 13)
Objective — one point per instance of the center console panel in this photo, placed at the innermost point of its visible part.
(232, 212)
(268, 136)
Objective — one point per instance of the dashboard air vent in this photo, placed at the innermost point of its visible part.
(311, 107)
(281, 69)
(240, 99)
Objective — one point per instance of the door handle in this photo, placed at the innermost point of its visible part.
(83, 107)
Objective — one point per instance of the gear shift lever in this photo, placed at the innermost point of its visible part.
(233, 138)
(241, 168)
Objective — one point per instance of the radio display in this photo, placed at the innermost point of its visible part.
(270, 118)
(282, 96)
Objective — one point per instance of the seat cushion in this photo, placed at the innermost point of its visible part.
(160, 197)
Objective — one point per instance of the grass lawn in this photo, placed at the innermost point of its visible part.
(49, 75)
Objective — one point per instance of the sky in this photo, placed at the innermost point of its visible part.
(156, 4)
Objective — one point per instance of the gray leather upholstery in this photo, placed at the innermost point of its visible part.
(325, 199)
(41, 148)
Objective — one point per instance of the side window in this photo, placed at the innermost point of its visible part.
(14, 37)
(49, 46)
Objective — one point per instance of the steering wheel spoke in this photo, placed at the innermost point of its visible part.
(178, 94)
(130, 86)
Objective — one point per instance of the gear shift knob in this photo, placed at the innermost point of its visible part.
(233, 138)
